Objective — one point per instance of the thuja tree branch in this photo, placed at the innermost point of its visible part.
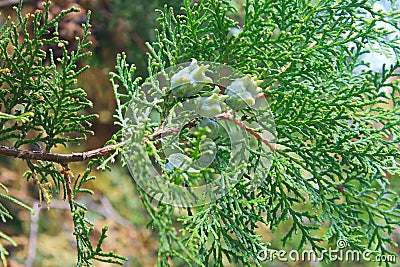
(103, 151)
(58, 158)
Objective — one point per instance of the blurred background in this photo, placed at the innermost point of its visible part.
(45, 239)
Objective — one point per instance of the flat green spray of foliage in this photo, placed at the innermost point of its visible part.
(336, 145)
(41, 106)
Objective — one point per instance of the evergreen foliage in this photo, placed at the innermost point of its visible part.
(41, 106)
(337, 146)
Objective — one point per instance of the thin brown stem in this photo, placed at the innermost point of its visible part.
(55, 157)
(67, 178)
(227, 117)
(64, 159)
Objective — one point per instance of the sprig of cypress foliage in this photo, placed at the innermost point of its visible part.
(42, 106)
(337, 145)
(333, 161)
